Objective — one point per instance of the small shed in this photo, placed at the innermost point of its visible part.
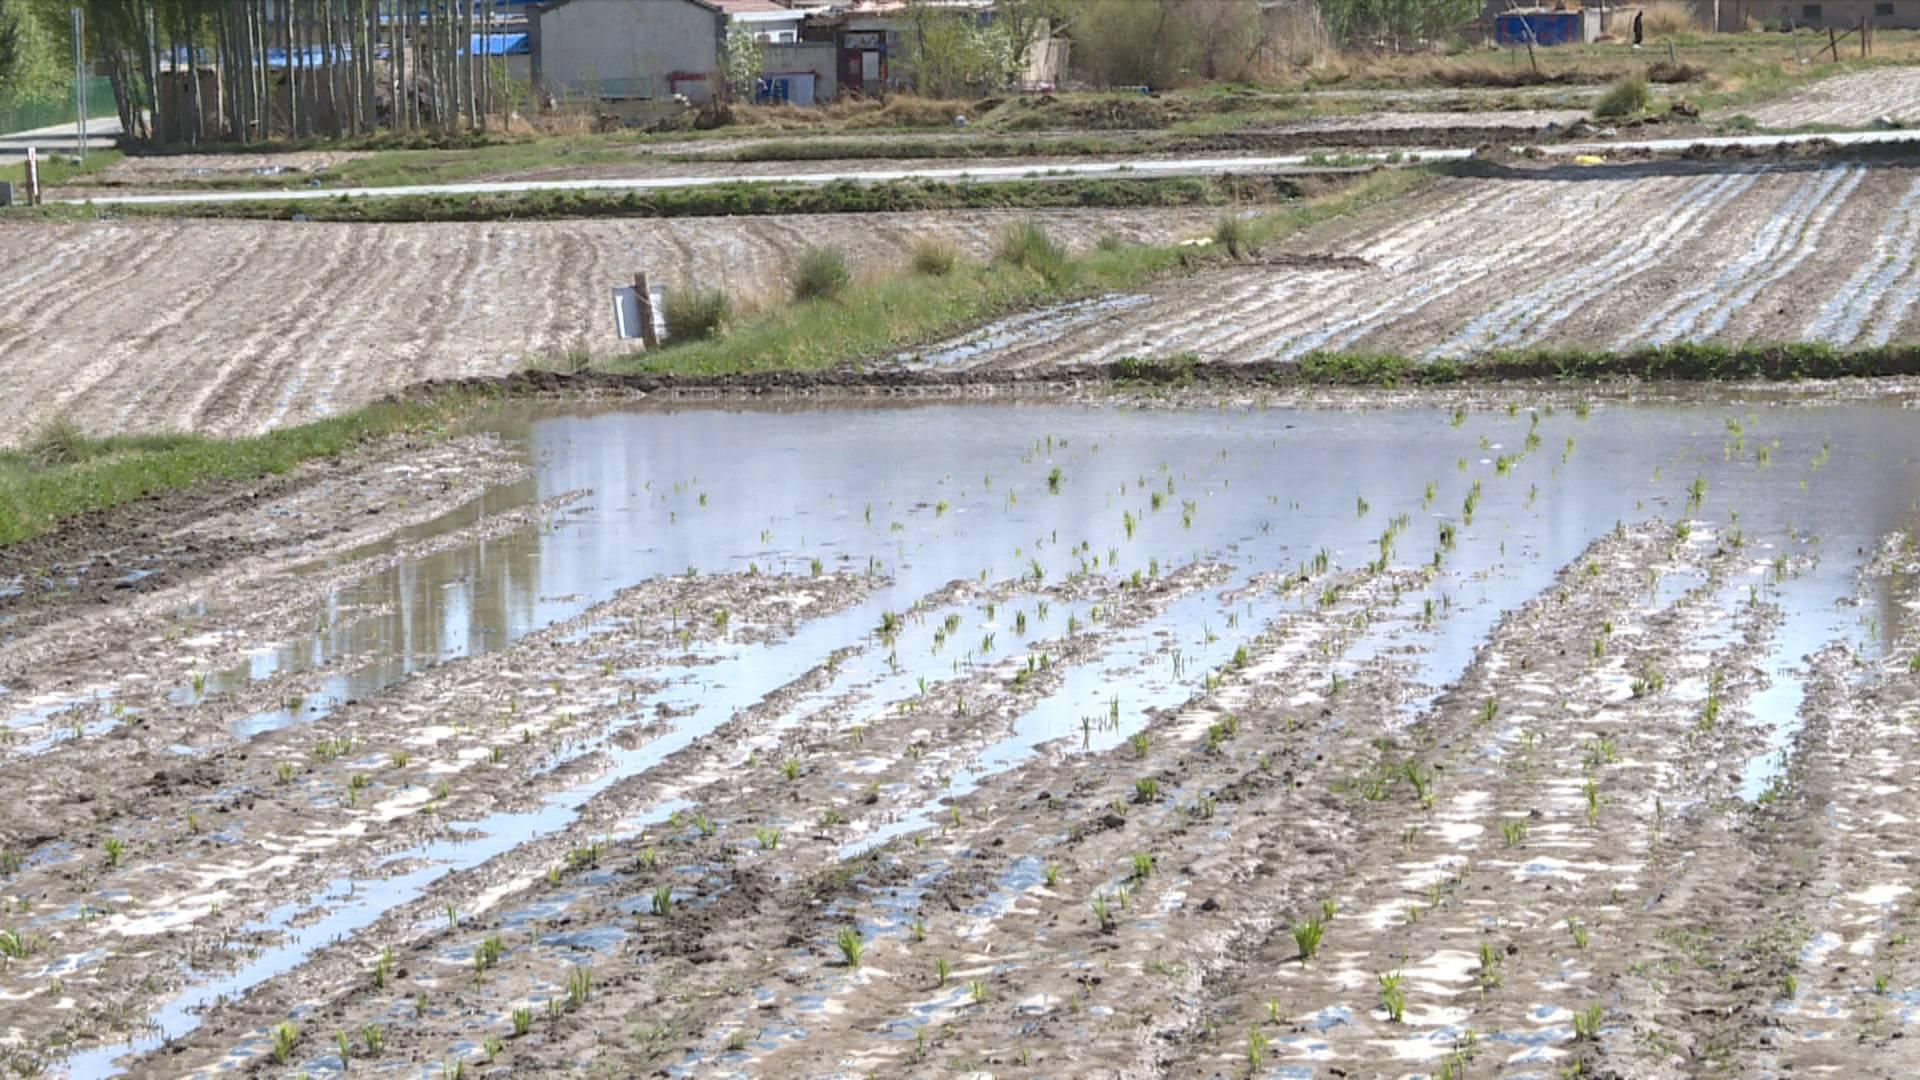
(1547, 26)
(798, 73)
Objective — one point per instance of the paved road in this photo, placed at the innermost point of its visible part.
(1220, 166)
(102, 133)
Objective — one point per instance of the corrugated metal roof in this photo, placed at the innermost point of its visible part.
(753, 7)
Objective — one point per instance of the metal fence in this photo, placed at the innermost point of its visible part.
(49, 110)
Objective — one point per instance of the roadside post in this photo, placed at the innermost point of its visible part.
(637, 312)
(33, 177)
(80, 76)
(649, 336)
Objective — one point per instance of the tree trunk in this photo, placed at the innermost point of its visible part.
(330, 64)
(196, 126)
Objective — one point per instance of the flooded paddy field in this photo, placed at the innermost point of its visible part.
(1043, 740)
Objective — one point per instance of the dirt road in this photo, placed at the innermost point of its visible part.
(238, 327)
(1821, 251)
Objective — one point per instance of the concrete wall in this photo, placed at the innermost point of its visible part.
(1840, 14)
(819, 57)
(627, 49)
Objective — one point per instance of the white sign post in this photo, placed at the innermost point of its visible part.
(33, 177)
(630, 322)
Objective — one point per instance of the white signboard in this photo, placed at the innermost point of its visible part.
(626, 311)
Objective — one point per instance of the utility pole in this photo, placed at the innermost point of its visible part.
(80, 76)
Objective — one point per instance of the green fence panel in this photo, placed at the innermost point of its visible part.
(49, 110)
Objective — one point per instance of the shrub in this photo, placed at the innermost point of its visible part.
(820, 274)
(934, 257)
(1028, 246)
(1626, 98)
(694, 314)
(1661, 71)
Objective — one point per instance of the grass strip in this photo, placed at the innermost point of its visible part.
(58, 168)
(1683, 362)
(61, 473)
(722, 200)
(901, 310)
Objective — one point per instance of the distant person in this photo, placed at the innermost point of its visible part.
(1637, 34)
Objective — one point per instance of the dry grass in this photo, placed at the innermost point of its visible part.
(899, 111)
(1666, 17)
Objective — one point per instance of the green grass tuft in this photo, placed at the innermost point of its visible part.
(696, 314)
(820, 274)
(934, 257)
(1028, 246)
(1628, 97)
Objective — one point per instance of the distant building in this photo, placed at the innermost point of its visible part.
(1838, 14)
(644, 50)
(637, 51)
(871, 40)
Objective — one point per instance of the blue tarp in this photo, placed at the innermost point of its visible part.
(1544, 27)
(314, 57)
(176, 59)
(501, 45)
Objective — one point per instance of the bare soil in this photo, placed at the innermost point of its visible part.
(276, 323)
(1602, 257)
(1864, 97)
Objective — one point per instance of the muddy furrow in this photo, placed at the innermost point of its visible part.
(1826, 979)
(1870, 306)
(221, 842)
(1507, 853)
(739, 880)
(1776, 250)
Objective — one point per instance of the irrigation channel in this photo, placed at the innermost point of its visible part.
(940, 676)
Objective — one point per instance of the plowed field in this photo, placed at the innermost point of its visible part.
(1604, 258)
(236, 327)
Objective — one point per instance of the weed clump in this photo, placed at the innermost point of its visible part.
(58, 442)
(696, 314)
(1028, 246)
(1627, 97)
(821, 274)
(934, 257)
(1235, 236)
